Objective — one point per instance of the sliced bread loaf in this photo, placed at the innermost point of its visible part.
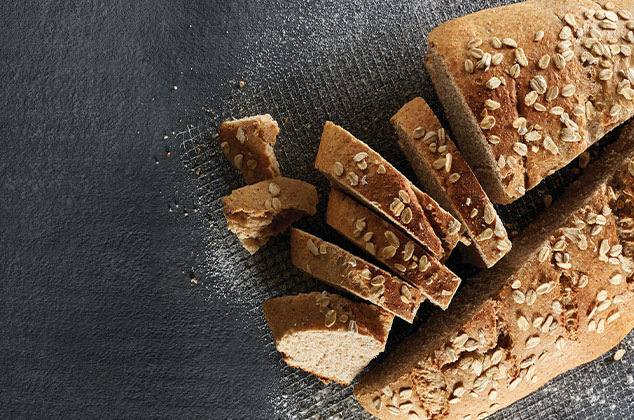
(339, 268)
(529, 86)
(562, 297)
(326, 334)
(445, 174)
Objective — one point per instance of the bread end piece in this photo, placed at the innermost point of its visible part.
(326, 334)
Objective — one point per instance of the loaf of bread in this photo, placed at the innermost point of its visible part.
(560, 298)
(326, 334)
(248, 144)
(257, 212)
(443, 172)
(355, 168)
(392, 247)
(345, 271)
(529, 86)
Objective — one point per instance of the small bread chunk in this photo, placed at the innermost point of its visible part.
(257, 212)
(248, 144)
(339, 268)
(428, 149)
(561, 298)
(326, 334)
(392, 247)
(357, 169)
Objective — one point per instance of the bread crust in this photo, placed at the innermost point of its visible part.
(345, 271)
(547, 307)
(425, 143)
(379, 185)
(307, 312)
(591, 69)
(248, 145)
(407, 258)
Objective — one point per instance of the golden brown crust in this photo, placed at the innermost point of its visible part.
(357, 169)
(559, 299)
(257, 212)
(325, 312)
(392, 247)
(248, 144)
(429, 148)
(586, 62)
(339, 268)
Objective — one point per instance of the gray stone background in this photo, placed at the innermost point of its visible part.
(110, 186)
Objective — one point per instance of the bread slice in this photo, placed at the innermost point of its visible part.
(355, 168)
(248, 144)
(445, 174)
(339, 268)
(562, 297)
(326, 334)
(392, 247)
(529, 86)
(257, 212)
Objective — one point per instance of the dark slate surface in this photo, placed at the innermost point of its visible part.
(98, 316)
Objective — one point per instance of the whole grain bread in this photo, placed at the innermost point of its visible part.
(354, 167)
(529, 86)
(326, 334)
(392, 247)
(561, 297)
(445, 174)
(248, 144)
(257, 212)
(345, 271)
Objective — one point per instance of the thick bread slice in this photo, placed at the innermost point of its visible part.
(562, 297)
(357, 169)
(445, 174)
(326, 334)
(248, 144)
(257, 212)
(529, 86)
(392, 247)
(339, 268)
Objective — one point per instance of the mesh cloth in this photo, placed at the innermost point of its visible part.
(360, 89)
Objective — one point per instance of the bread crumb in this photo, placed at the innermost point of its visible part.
(618, 355)
(241, 84)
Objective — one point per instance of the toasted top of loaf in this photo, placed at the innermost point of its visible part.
(345, 271)
(326, 334)
(257, 212)
(354, 167)
(392, 247)
(248, 144)
(559, 299)
(445, 174)
(538, 81)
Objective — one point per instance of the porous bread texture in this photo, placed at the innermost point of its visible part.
(561, 298)
(326, 334)
(341, 269)
(257, 212)
(354, 167)
(445, 174)
(529, 86)
(248, 145)
(391, 247)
